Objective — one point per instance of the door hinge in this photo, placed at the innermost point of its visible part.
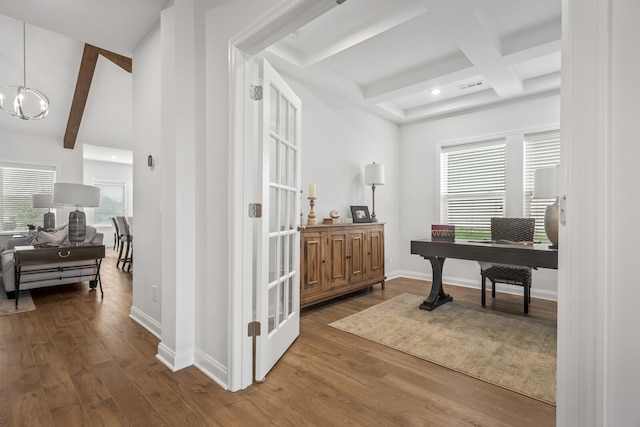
(256, 93)
(255, 210)
(254, 329)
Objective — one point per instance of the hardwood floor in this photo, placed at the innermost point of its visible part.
(78, 360)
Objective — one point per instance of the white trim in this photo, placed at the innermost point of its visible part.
(146, 321)
(211, 368)
(172, 360)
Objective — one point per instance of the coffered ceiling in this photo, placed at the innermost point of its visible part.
(385, 56)
(389, 56)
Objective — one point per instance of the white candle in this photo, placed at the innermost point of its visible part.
(312, 190)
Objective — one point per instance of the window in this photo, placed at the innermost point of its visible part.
(540, 150)
(18, 183)
(473, 186)
(112, 202)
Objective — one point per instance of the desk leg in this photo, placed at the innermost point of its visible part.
(16, 271)
(437, 297)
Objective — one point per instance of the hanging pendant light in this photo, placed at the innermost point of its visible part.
(28, 103)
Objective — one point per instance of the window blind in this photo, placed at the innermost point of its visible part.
(540, 150)
(17, 184)
(473, 186)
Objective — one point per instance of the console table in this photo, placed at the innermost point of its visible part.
(437, 252)
(31, 260)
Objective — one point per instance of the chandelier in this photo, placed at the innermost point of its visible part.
(21, 101)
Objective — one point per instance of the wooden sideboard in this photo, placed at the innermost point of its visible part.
(338, 259)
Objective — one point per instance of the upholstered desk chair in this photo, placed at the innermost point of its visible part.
(518, 230)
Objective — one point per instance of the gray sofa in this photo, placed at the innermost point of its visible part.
(52, 278)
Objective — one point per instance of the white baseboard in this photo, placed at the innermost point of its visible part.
(173, 360)
(466, 283)
(211, 368)
(146, 322)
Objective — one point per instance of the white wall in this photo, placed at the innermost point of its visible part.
(419, 198)
(34, 149)
(96, 171)
(147, 93)
(337, 141)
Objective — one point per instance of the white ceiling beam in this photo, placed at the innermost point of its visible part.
(364, 32)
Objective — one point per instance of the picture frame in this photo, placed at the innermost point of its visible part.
(360, 214)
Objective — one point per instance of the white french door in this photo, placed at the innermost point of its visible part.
(278, 255)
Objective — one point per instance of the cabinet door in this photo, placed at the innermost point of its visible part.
(357, 255)
(336, 259)
(311, 278)
(375, 256)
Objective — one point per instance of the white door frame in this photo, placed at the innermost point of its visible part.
(282, 20)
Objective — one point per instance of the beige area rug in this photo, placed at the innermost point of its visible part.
(514, 352)
(8, 306)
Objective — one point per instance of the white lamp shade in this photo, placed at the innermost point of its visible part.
(546, 182)
(42, 201)
(65, 193)
(374, 174)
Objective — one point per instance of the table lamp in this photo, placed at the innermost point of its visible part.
(546, 186)
(374, 175)
(45, 201)
(77, 195)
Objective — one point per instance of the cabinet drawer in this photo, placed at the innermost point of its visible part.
(30, 255)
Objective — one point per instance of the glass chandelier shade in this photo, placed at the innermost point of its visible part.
(21, 101)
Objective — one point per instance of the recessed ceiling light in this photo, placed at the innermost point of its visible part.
(435, 92)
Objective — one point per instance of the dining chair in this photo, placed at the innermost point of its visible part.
(126, 241)
(116, 234)
(516, 230)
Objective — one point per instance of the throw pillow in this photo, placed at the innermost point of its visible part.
(31, 238)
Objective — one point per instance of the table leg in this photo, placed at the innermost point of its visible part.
(16, 271)
(437, 297)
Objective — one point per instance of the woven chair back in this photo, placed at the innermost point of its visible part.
(513, 229)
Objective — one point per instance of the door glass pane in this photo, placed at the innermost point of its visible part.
(282, 203)
(291, 125)
(273, 122)
(282, 248)
(281, 304)
(273, 160)
(290, 293)
(282, 131)
(292, 241)
(273, 209)
(285, 256)
(272, 308)
(282, 159)
(273, 253)
(291, 162)
(292, 209)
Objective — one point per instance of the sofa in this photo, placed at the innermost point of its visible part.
(59, 237)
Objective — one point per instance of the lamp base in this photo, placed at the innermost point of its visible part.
(551, 224)
(77, 227)
(49, 222)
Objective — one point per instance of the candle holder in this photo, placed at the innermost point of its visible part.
(312, 216)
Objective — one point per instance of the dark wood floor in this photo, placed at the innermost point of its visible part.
(79, 360)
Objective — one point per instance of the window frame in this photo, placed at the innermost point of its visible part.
(515, 174)
(101, 182)
(36, 214)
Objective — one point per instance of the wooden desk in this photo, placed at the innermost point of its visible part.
(438, 252)
(29, 256)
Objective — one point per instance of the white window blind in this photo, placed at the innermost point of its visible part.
(473, 186)
(112, 202)
(17, 184)
(540, 150)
